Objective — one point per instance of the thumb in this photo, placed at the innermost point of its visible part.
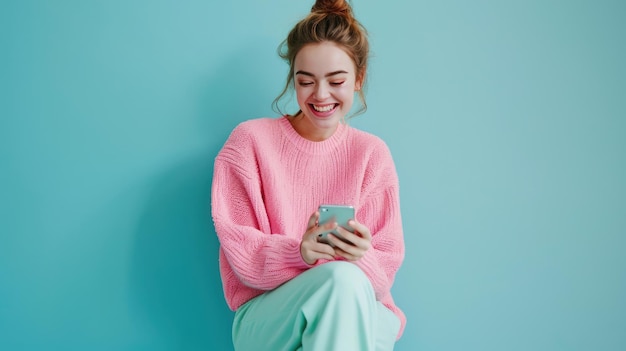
(313, 220)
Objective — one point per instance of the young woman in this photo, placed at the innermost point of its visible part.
(291, 291)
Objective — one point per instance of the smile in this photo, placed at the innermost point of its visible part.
(325, 108)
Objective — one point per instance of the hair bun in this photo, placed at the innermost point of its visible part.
(332, 6)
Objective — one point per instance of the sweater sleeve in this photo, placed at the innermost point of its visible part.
(380, 211)
(260, 259)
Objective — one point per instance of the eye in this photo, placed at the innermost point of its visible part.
(336, 84)
(305, 83)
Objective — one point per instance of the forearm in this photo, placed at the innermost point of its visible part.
(386, 254)
(261, 261)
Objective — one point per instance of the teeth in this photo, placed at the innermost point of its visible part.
(323, 108)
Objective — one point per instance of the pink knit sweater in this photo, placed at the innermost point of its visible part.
(267, 182)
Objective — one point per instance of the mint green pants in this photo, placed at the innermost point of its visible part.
(329, 307)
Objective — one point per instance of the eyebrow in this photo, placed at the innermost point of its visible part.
(327, 74)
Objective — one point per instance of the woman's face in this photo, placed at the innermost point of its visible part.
(325, 82)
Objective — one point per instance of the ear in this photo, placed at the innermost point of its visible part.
(360, 79)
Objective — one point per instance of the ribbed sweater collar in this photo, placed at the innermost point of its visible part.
(312, 147)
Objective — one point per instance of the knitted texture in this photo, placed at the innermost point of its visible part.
(267, 182)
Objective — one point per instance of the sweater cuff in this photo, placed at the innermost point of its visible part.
(293, 256)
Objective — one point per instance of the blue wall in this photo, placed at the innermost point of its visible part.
(507, 120)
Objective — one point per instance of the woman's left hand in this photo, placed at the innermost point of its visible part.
(361, 241)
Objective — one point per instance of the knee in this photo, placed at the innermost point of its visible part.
(346, 276)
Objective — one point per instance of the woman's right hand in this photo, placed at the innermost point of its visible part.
(311, 249)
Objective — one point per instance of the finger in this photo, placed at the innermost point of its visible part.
(322, 253)
(313, 220)
(349, 236)
(347, 255)
(354, 239)
(348, 248)
(318, 247)
(361, 229)
(312, 251)
(328, 226)
(312, 258)
(323, 249)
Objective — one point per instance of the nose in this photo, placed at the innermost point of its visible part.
(321, 92)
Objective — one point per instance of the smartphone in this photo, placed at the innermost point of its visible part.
(341, 214)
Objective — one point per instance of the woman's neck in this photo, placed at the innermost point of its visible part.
(303, 127)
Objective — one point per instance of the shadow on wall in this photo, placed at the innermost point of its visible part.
(175, 275)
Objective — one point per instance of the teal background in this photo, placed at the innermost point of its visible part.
(506, 119)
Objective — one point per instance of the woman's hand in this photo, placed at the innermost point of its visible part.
(312, 250)
(361, 241)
